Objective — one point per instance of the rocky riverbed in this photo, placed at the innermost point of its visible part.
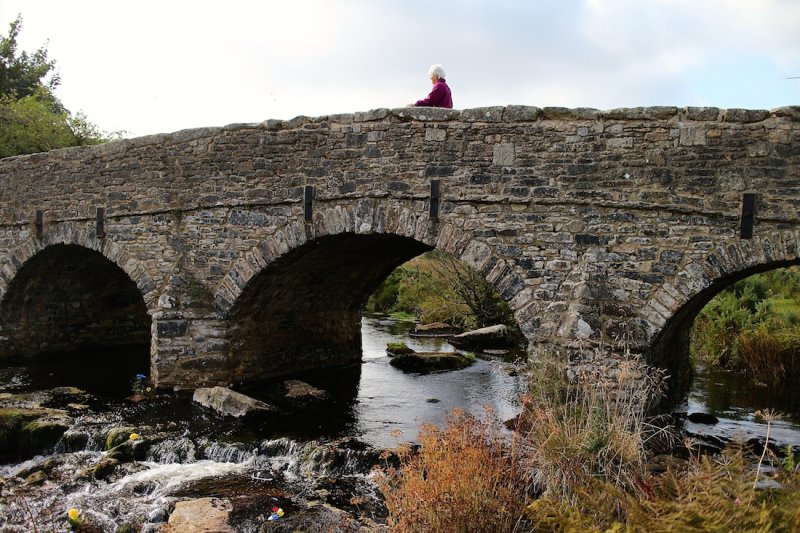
(124, 475)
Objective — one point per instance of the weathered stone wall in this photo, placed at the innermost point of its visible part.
(597, 226)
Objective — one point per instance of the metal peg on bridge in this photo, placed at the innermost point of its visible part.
(308, 202)
(749, 210)
(434, 203)
(39, 224)
(101, 223)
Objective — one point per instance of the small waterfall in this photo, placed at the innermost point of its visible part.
(309, 459)
(180, 450)
(224, 452)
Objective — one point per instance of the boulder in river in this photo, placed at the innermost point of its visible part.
(228, 402)
(302, 394)
(29, 431)
(203, 515)
(702, 418)
(488, 337)
(430, 361)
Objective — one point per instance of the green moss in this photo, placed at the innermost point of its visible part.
(398, 348)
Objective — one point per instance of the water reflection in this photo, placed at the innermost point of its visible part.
(734, 399)
(380, 404)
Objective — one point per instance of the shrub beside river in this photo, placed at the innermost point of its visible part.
(753, 326)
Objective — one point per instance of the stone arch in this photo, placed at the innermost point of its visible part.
(374, 216)
(392, 231)
(671, 310)
(71, 234)
(66, 298)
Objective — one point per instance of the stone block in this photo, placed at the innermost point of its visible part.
(504, 154)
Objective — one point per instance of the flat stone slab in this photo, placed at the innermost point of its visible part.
(230, 403)
(436, 329)
(204, 515)
(488, 337)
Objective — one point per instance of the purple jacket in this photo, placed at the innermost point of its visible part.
(439, 97)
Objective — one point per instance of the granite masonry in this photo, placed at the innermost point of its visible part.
(246, 251)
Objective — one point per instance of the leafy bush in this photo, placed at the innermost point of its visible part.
(753, 326)
(435, 287)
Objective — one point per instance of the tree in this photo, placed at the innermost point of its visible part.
(24, 74)
(32, 119)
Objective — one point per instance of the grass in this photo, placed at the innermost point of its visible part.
(467, 478)
(577, 462)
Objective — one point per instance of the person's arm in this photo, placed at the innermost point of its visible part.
(433, 99)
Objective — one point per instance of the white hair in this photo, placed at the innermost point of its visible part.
(436, 70)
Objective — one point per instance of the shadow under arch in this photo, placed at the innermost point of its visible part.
(670, 349)
(303, 310)
(67, 299)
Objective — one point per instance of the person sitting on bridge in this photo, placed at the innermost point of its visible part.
(440, 95)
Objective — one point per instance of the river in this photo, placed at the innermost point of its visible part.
(293, 460)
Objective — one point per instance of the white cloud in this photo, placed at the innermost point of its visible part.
(162, 66)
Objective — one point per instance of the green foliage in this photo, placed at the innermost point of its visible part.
(32, 119)
(385, 297)
(29, 125)
(435, 287)
(753, 326)
(23, 74)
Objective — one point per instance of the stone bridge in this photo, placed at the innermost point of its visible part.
(246, 251)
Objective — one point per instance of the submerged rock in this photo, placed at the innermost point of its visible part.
(317, 517)
(302, 394)
(230, 403)
(703, 418)
(430, 361)
(488, 337)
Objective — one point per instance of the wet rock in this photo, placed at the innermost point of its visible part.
(122, 447)
(317, 518)
(702, 418)
(489, 337)
(29, 431)
(75, 440)
(394, 349)
(204, 515)
(230, 403)
(436, 329)
(36, 478)
(302, 394)
(430, 361)
(105, 467)
(118, 436)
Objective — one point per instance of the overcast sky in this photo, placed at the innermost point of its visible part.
(153, 66)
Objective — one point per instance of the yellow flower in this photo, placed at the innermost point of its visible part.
(73, 514)
(134, 436)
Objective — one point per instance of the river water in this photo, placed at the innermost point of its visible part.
(297, 459)
(739, 405)
(294, 459)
